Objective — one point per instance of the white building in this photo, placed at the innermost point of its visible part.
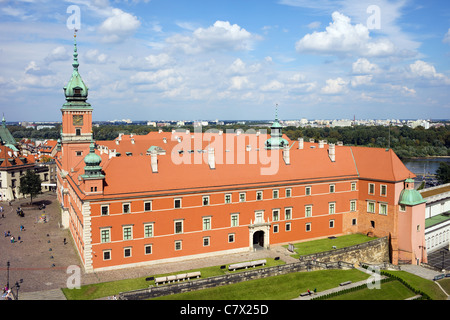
(437, 217)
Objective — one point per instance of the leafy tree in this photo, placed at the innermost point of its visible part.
(443, 173)
(30, 184)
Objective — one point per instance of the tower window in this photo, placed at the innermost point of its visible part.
(78, 131)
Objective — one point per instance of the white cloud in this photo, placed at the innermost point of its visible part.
(343, 38)
(314, 25)
(238, 82)
(361, 80)
(58, 54)
(94, 56)
(222, 36)
(425, 70)
(363, 66)
(119, 26)
(273, 85)
(447, 37)
(335, 86)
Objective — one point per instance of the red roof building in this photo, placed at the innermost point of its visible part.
(140, 200)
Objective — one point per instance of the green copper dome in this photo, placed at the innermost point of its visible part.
(92, 170)
(410, 196)
(76, 91)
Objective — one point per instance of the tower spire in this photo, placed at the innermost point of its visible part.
(75, 63)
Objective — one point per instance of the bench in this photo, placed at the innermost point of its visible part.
(344, 283)
(177, 277)
(247, 264)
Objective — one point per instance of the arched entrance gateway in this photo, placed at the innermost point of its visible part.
(259, 232)
(258, 239)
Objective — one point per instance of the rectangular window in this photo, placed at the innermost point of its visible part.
(148, 230)
(275, 228)
(206, 241)
(353, 205)
(148, 249)
(308, 227)
(178, 245)
(105, 235)
(127, 233)
(242, 197)
(126, 252)
(332, 208)
(308, 211)
(234, 220)
(332, 188)
(353, 186)
(331, 224)
(371, 188)
(275, 194)
(126, 208)
(148, 206)
(259, 195)
(371, 207)
(107, 255)
(207, 223)
(231, 238)
(205, 200)
(275, 215)
(288, 192)
(177, 203)
(383, 208)
(354, 222)
(383, 190)
(105, 210)
(178, 226)
(307, 191)
(259, 217)
(228, 198)
(288, 213)
(288, 226)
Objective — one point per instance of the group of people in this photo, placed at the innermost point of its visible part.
(7, 293)
(12, 238)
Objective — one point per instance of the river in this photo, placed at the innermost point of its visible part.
(425, 166)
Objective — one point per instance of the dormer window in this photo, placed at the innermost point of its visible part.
(77, 91)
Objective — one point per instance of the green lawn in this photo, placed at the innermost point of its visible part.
(326, 244)
(427, 286)
(105, 289)
(283, 287)
(392, 290)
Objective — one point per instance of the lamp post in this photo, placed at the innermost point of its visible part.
(7, 274)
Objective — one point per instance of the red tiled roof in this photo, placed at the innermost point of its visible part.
(133, 174)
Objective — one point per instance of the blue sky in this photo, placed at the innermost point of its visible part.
(227, 59)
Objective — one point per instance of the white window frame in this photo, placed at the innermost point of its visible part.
(131, 232)
(242, 196)
(124, 205)
(275, 194)
(152, 225)
(207, 201)
(175, 226)
(307, 215)
(331, 207)
(107, 209)
(385, 208)
(288, 192)
(228, 195)
(175, 201)
(151, 206)
(369, 203)
(206, 223)
(108, 230)
(259, 192)
(234, 215)
(308, 190)
(286, 210)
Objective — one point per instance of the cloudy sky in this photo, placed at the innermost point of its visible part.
(228, 59)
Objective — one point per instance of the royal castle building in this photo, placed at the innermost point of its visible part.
(145, 199)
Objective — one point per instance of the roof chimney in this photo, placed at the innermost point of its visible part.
(300, 143)
(286, 155)
(211, 159)
(332, 152)
(154, 161)
(321, 144)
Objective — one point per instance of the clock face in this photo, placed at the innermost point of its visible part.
(77, 120)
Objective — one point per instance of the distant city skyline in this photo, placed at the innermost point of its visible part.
(198, 59)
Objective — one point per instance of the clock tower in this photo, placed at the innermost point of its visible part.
(76, 133)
